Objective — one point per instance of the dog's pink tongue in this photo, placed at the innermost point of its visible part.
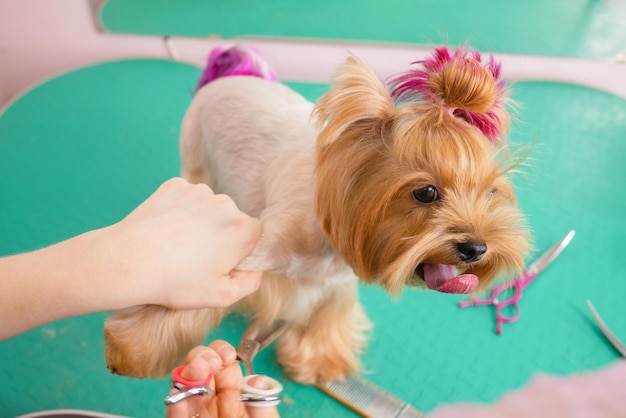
(443, 278)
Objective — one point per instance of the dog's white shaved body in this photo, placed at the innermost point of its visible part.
(253, 140)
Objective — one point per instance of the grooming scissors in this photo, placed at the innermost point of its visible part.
(519, 284)
(255, 338)
(607, 331)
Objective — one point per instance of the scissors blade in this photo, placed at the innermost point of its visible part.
(550, 255)
(256, 338)
(606, 330)
(271, 333)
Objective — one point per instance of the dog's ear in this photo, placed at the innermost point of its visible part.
(357, 96)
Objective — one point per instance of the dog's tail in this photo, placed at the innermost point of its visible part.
(224, 62)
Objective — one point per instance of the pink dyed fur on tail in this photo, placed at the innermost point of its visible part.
(224, 62)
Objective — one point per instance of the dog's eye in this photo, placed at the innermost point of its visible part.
(426, 194)
(492, 192)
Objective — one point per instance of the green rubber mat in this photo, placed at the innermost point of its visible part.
(577, 28)
(82, 150)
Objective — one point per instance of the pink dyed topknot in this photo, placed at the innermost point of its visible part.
(414, 86)
(224, 62)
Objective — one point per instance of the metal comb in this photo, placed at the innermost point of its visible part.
(369, 400)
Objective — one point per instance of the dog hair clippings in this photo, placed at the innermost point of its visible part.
(438, 79)
(224, 62)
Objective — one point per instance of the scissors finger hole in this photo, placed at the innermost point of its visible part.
(178, 380)
(256, 384)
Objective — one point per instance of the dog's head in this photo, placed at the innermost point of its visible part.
(411, 184)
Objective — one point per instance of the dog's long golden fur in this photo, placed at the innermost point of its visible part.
(343, 194)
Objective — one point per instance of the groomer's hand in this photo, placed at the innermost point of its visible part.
(219, 359)
(179, 249)
(183, 243)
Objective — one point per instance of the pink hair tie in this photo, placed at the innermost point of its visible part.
(416, 85)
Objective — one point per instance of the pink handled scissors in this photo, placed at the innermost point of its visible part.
(519, 284)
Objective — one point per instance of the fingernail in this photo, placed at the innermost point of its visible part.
(227, 353)
(260, 382)
(196, 363)
(211, 357)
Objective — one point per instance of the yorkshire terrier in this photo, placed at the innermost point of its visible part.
(397, 184)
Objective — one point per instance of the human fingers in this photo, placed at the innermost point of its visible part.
(224, 350)
(207, 354)
(263, 383)
(208, 218)
(170, 194)
(174, 185)
(224, 233)
(226, 290)
(245, 282)
(180, 409)
(170, 190)
(224, 209)
(228, 382)
(243, 231)
(198, 369)
(249, 281)
(228, 392)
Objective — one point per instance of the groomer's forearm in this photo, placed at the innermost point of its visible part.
(77, 276)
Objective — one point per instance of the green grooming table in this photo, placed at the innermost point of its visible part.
(580, 28)
(82, 150)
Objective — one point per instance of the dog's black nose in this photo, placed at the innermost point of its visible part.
(470, 252)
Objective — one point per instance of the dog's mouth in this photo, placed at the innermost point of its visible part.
(443, 278)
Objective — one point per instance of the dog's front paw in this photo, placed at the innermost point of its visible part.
(310, 363)
(311, 359)
(324, 350)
